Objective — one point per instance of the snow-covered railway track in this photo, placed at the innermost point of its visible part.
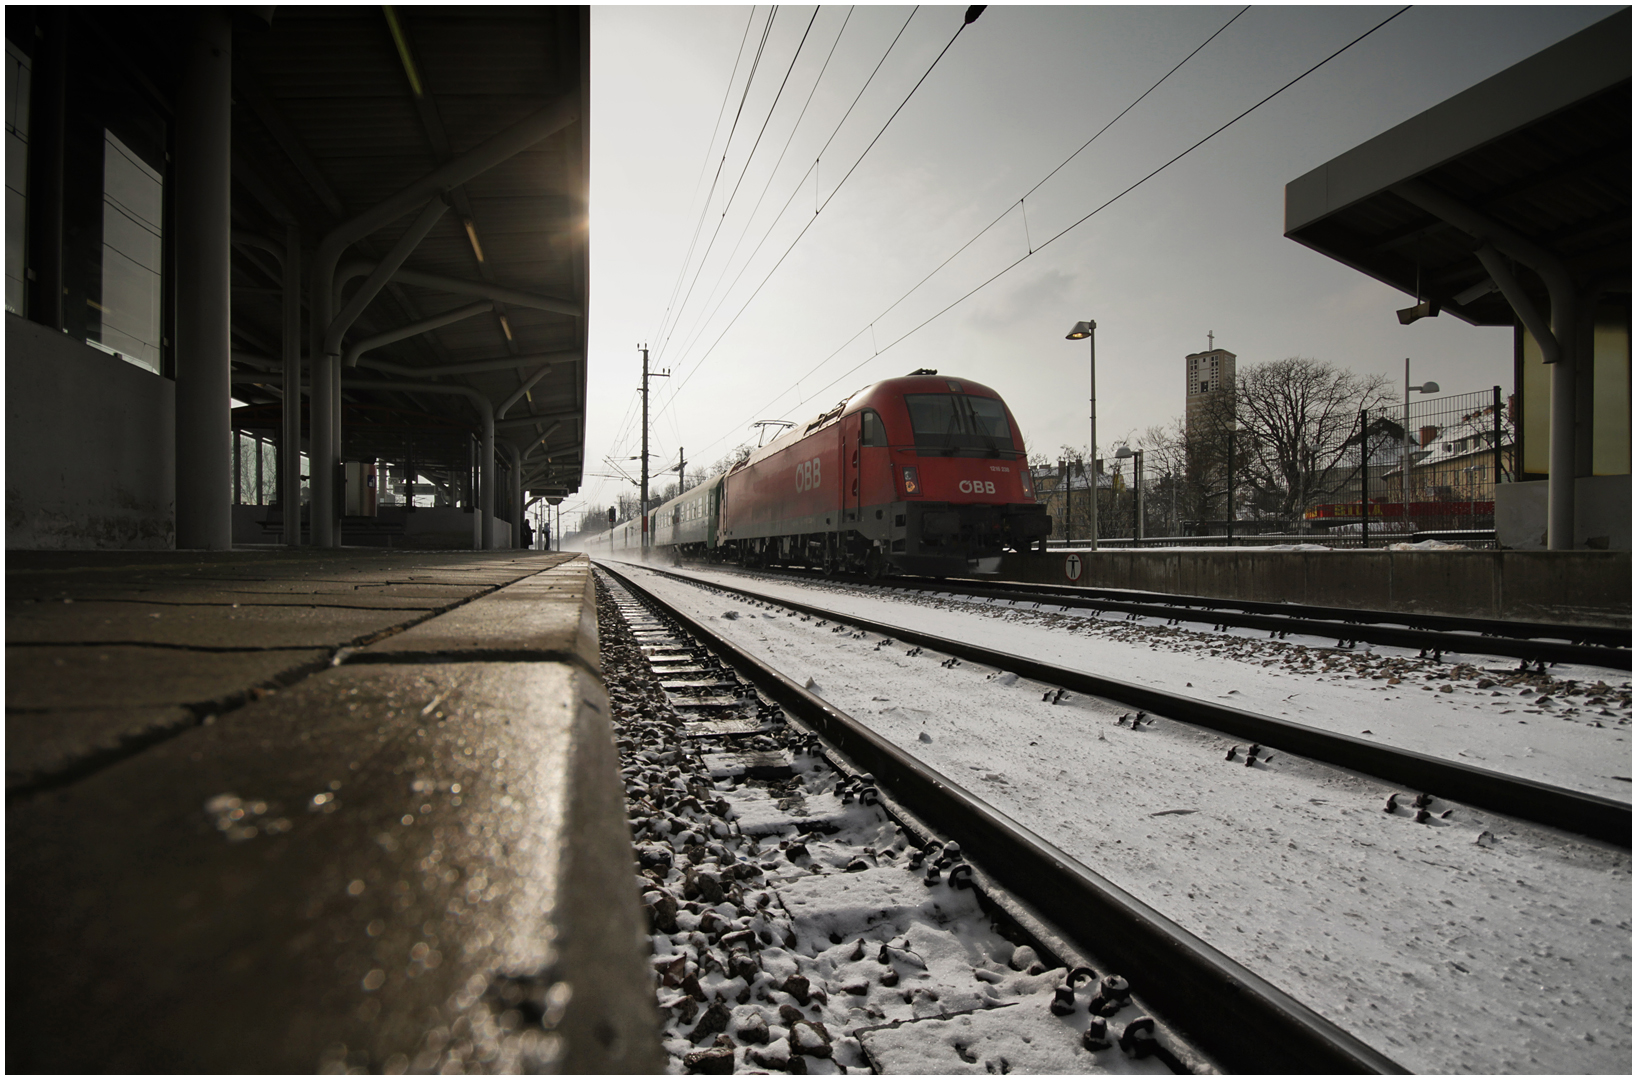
(1547, 804)
(1232, 1015)
(1530, 642)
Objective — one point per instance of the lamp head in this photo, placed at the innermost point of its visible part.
(1124, 452)
(1426, 309)
(1426, 388)
(1081, 330)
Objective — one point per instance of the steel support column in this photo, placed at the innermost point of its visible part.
(48, 89)
(485, 530)
(478, 160)
(290, 477)
(288, 253)
(1559, 339)
(204, 171)
(517, 495)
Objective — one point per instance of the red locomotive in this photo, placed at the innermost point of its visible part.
(918, 475)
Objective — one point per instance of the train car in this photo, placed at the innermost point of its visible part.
(687, 524)
(623, 537)
(920, 475)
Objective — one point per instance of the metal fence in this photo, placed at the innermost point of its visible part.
(1427, 471)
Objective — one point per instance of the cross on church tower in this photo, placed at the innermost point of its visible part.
(1210, 340)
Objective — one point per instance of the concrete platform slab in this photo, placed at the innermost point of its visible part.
(249, 626)
(1579, 587)
(416, 860)
(546, 614)
(136, 677)
(338, 866)
(336, 595)
(45, 746)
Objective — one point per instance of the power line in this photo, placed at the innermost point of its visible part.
(817, 211)
(727, 93)
(893, 44)
(1095, 211)
(704, 209)
(727, 205)
(749, 219)
(834, 132)
(1115, 198)
(704, 163)
(1007, 212)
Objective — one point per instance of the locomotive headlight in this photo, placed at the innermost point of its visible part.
(912, 481)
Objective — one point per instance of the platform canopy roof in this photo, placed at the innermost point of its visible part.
(1542, 149)
(337, 108)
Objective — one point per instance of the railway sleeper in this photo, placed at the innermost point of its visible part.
(797, 927)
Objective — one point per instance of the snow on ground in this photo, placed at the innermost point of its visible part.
(1473, 943)
(1570, 727)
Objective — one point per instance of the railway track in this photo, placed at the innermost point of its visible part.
(1530, 642)
(1589, 815)
(1227, 1015)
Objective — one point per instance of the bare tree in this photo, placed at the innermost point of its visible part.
(731, 458)
(1297, 424)
(1171, 498)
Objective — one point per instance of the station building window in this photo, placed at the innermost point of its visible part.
(126, 319)
(114, 141)
(18, 70)
(113, 215)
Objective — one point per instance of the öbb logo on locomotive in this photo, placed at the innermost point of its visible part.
(807, 475)
(928, 475)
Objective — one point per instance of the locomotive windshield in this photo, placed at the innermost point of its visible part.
(959, 421)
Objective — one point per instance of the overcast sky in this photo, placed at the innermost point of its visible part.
(1197, 248)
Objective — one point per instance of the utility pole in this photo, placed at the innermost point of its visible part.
(644, 496)
(681, 463)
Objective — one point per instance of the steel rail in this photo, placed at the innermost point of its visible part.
(1232, 1014)
(1609, 636)
(1546, 804)
(1596, 646)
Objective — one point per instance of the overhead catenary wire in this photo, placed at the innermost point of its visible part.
(812, 170)
(697, 366)
(1092, 213)
(704, 162)
(704, 209)
(728, 203)
(1018, 205)
(751, 217)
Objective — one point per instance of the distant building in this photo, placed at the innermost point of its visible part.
(1210, 377)
(1209, 396)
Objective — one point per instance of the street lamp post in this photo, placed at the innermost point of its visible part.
(1087, 329)
(1424, 388)
(1136, 491)
(1065, 481)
